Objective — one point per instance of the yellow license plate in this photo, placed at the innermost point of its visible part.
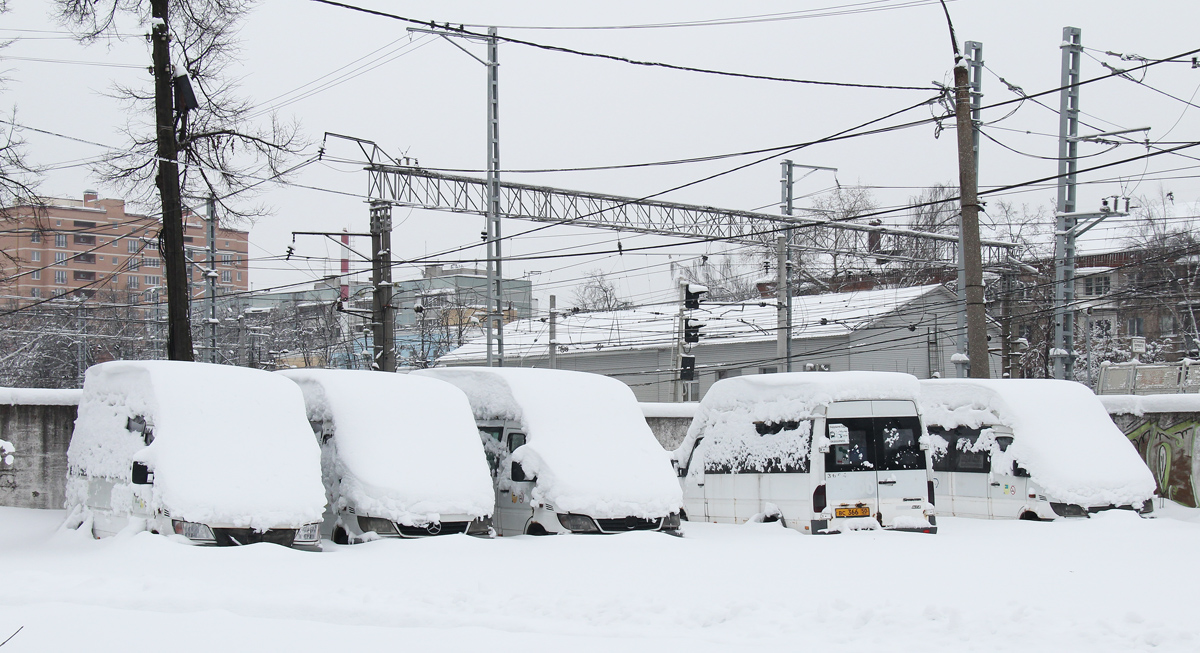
(852, 512)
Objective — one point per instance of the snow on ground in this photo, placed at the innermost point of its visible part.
(976, 586)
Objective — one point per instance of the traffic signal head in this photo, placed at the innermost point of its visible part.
(687, 368)
(692, 295)
(691, 330)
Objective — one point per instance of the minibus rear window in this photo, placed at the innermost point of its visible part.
(897, 437)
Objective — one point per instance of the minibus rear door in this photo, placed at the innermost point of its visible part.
(851, 486)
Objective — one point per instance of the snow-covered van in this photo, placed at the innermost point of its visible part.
(1028, 449)
(569, 452)
(824, 452)
(400, 456)
(218, 454)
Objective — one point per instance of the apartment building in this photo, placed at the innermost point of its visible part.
(94, 247)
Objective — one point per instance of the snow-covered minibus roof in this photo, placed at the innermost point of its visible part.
(229, 445)
(587, 442)
(406, 446)
(728, 413)
(1062, 435)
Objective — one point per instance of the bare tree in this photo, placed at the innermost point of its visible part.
(18, 176)
(831, 248)
(191, 116)
(598, 294)
(726, 280)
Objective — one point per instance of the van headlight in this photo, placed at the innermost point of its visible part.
(380, 525)
(578, 523)
(671, 522)
(308, 533)
(193, 531)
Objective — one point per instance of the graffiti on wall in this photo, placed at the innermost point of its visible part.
(1168, 444)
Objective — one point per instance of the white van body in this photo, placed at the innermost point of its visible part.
(823, 451)
(400, 455)
(1028, 449)
(569, 452)
(218, 454)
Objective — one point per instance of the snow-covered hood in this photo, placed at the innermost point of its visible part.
(1062, 435)
(404, 447)
(231, 445)
(728, 412)
(586, 439)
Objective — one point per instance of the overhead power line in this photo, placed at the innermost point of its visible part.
(636, 62)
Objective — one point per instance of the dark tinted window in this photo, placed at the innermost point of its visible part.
(960, 454)
(868, 444)
(898, 443)
(851, 446)
(943, 461)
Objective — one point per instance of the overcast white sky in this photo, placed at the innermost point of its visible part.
(426, 99)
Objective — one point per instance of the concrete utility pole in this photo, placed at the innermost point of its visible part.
(553, 333)
(975, 61)
(977, 350)
(1064, 245)
(170, 241)
(383, 317)
(211, 275)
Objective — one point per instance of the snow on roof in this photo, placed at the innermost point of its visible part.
(39, 397)
(1142, 404)
(813, 316)
(230, 444)
(404, 447)
(728, 412)
(669, 409)
(1061, 434)
(587, 442)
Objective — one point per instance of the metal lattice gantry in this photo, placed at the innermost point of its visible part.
(419, 188)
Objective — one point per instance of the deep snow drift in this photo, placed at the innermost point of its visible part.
(403, 447)
(230, 445)
(588, 443)
(1062, 435)
(979, 585)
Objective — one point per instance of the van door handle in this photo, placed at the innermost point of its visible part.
(887, 482)
(995, 485)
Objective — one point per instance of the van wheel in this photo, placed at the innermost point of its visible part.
(340, 536)
(536, 529)
(1030, 516)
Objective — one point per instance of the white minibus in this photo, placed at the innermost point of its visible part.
(1035, 449)
(218, 454)
(570, 452)
(824, 452)
(399, 455)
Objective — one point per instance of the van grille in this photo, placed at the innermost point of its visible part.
(443, 528)
(629, 524)
(237, 536)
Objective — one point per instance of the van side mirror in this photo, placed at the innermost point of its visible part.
(142, 474)
(518, 473)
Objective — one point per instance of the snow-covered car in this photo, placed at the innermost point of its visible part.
(400, 455)
(569, 452)
(1029, 449)
(824, 452)
(218, 454)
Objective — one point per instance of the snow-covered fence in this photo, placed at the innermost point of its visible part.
(669, 421)
(1163, 428)
(37, 424)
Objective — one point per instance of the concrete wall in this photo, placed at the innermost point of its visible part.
(37, 477)
(1168, 444)
(669, 431)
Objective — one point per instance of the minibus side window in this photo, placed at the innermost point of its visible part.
(515, 441)
(492, 446)
(943, 459)
(898, 444)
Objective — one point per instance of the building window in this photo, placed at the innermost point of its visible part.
(35, 237)
(85, 258)
(1093, 286)
(85, 239)
(132, 246)
(134, 263)
(60, 258)
(60, 240)
(151, 262)
(151, 281)
(227, 259)
(721, 374)
(226, 276)
(1136, 326)
(36, 293)
(84, 275)
(37, 275)
(60, 276)
(768, 370)
(239, 276)
(131, 282)
(84, 224)
(35, 256)
(691, 391)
